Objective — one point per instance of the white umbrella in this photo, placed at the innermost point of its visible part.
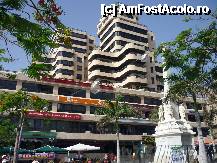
(82, 147)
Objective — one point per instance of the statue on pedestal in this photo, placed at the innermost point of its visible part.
(168, 112)
(182, 112)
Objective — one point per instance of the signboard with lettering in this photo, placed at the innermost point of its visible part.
(52, 115)
(177, 154)
(36, 156)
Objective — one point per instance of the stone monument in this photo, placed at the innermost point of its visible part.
(173, 134)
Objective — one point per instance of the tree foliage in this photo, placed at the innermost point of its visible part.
(7, 132)
(192, 60)
(20, 102)
(30, 25)
(17, 105)
(153, 116)
(114, 110)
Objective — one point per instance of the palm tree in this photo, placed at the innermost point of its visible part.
(113, 111)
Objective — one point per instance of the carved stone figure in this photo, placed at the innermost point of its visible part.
(182, 112)
(168, 112)
(161, 113)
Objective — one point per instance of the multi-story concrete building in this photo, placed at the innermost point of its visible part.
(71, 63)
(71, 118)
(125, 57)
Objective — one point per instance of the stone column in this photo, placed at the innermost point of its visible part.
(87, 93)
(55, 90)
(19, 85)
(87, 110)
(54, 106)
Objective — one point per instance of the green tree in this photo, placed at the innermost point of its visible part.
(18, 104)
(153, 115)
(191, 57)
(30, 25)
(7, 132)
(113, 111)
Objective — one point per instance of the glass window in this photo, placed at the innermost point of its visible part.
(65, 72)
(8, 84)
(79, 68)
(33, 87)
(65, 54)
(79, 42)
(132, 99)
(71, 108)
(79, 59)
(71, 92)
(91, 41)
(132, 28)
(79, 76)
(102, 96)
(38, 124)
(158, 69)
(80, 50)
(65, 62)
(63, 126)
(152, 101)
(78, 35)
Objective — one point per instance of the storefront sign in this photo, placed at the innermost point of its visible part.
(36, 156)
(83, 101)
(52, 115)
(38, 134)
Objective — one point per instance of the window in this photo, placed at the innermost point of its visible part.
(71, 92)
(71, 108)
(93, 109)
(132, 28)
(152, 80)
(79, 59)
(132, 37)
(65, 54)
(150, 59)
(90, 48)
(79, 68)
(80, 50)
(152, 101)
(91, 41)
(33, 87)
(152, 69)
(65, 62)
(78, 35)
(79, 42)
(79, 76)
(65, 72)
(132, 99)
(158, 69)
(102, 96)
(152, 38)
(8, 84)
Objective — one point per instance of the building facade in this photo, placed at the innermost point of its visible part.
(125, 55)
(71, 63)
(72, 120)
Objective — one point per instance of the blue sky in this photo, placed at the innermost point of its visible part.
(85, 14)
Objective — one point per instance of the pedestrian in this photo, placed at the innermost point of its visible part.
(210, 152)
(4, 159)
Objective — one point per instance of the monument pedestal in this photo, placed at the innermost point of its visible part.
(174, 142)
